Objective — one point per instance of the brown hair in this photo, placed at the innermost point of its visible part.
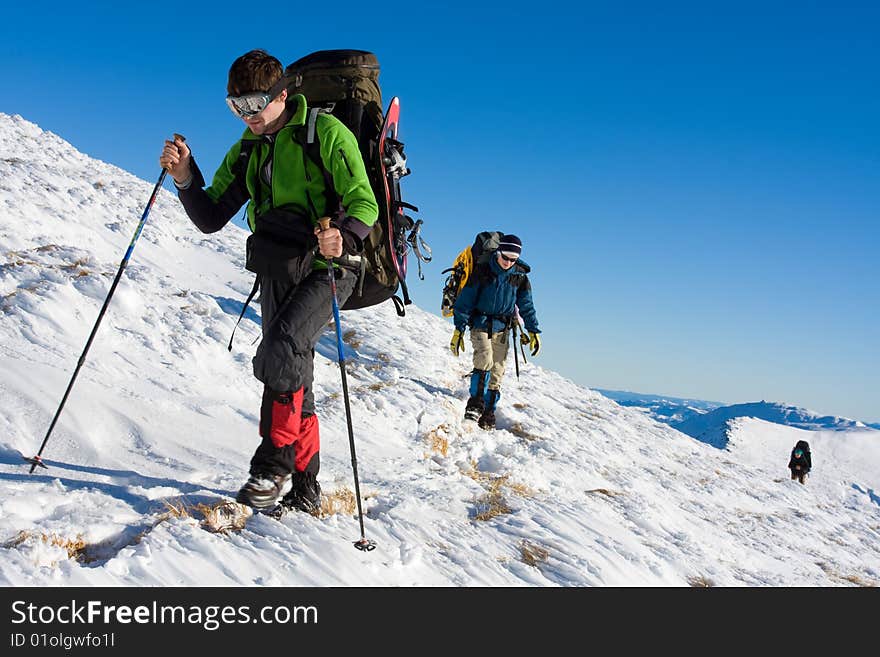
(256, 70)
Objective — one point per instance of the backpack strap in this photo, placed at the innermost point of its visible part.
(310, 143)
(239, 169)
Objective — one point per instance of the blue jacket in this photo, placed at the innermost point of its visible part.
(492, 292)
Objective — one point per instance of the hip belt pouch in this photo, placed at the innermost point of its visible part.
(282, 247)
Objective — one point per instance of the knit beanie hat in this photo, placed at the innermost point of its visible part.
(510, 244)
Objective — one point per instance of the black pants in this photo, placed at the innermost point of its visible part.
(284, 363)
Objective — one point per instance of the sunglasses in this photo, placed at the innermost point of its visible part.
(253, 103)
(506, 259)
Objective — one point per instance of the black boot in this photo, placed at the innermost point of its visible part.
(305, 493)
(474, 408)
(487, 419)
(262, 490)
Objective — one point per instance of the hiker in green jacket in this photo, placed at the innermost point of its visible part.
(272, 170)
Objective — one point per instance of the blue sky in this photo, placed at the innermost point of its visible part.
(697, 185)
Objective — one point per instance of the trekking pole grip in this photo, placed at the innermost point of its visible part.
(174, 137)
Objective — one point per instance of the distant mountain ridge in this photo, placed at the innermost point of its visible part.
(710, 421)
(714, 427)
(663, 408)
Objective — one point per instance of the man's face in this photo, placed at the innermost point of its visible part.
(506, 260)
(265, 120)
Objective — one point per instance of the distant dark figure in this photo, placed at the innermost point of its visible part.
(800, 462)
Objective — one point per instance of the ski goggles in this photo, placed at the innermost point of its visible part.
(253, 103)
(507, 258)
(249, 104)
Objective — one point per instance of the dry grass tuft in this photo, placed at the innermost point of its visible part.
(382, 360)
(517, 430)
(604, 491)
(497, 483)
(78, 268)
(220, 517)
(857, 580)
(224, 516)
(349, 339)
(17, 540)
(476, 474)
(75, 547)
(493, 503)
(700, 582)
(438, 443)
(520, 489)
(520, 406)
(532, 553)
(341, 501)
(176, 509)
(490, 505)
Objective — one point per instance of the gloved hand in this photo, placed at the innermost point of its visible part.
(456, 345)
(533, 340)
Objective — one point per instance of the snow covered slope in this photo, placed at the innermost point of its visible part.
(571, 490)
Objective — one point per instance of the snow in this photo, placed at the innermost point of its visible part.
(163, 418)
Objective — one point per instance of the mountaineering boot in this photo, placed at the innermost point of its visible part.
(487, 419)
(304, 494)
(261, 491)
(473, 409)
(476, 403)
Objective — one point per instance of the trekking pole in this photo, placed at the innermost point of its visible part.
(364, 544)
(37, 459)
(514, 325)
(520, 344)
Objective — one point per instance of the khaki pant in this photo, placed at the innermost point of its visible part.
(490, 355)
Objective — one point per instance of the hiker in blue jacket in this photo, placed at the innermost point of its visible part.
(487, 305)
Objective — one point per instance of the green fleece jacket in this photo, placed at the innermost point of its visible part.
(294, 179)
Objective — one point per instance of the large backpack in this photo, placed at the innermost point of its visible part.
(804, 447)
(479, 252)
(345, 83)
